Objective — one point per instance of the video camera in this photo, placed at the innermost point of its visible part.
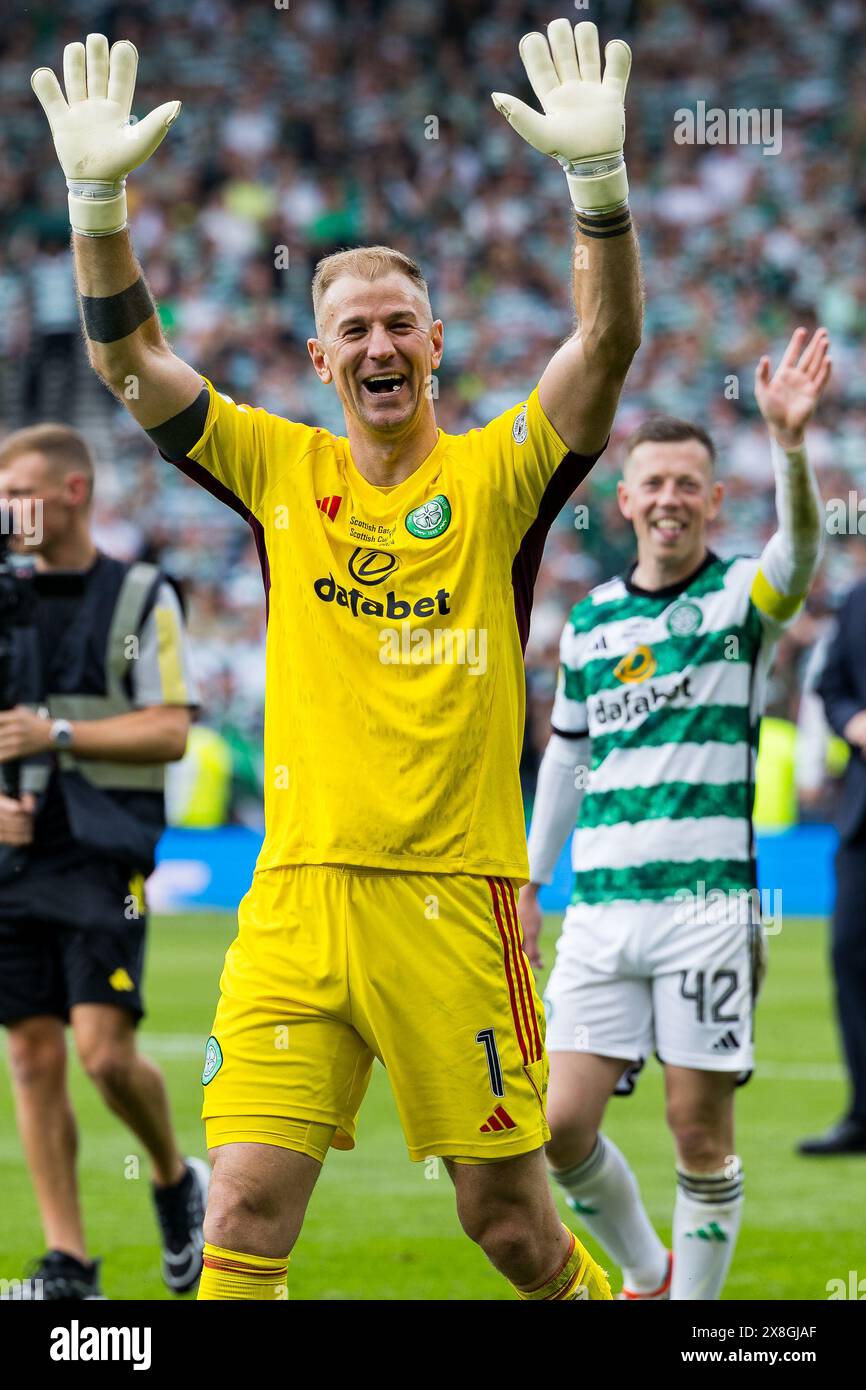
(20, 674)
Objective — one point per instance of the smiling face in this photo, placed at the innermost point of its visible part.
(379, 345)
(668, 494)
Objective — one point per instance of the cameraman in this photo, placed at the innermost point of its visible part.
(118, 699)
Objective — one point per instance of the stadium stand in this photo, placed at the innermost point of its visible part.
(328, 143)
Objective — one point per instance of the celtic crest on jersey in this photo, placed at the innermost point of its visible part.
(430, 520)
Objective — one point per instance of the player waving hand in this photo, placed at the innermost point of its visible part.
(400, 563)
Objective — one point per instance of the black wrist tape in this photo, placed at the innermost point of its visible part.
(612, 224)
(117, 315)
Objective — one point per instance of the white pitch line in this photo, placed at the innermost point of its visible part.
(173, 1044)
(799, 1071)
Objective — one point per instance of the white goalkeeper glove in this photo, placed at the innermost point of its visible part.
(96, 141)
(583, 126)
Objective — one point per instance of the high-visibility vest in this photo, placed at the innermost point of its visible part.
(113, 808)
(132, 602)
(198, 788)
(775, 780)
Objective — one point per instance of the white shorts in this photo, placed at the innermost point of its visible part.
(633, 978)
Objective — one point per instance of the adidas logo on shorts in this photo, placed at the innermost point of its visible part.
(500, 1119)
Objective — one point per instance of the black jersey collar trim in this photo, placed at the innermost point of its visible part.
(669, 590)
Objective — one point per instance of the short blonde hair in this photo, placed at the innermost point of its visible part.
(64, 449)
(367, 263)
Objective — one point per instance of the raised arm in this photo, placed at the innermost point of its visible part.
(788, 400)
(125, 342)
(97, 147)
(583, 128)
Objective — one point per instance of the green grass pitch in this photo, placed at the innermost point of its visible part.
(380, 1227)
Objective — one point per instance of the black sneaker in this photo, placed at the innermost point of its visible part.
(59, 1278)
(180, 1212)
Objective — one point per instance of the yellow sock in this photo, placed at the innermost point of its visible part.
(578, 1277)
(230, 1275)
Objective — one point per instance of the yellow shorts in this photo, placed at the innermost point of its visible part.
(332, 967)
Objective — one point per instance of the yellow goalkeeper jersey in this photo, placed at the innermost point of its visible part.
(397, 618)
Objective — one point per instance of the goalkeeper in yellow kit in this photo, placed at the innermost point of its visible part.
(399, 563)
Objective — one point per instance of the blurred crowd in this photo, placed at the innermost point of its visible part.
(317, 124)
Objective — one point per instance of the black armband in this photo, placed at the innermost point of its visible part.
(177, 436)
(117, 315)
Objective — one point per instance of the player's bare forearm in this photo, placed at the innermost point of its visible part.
(582, 127)
(606, 284)
(788, 400)
(154, 735)
(125, 342)
(581, 386)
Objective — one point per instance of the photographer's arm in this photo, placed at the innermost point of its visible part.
(157, 734)
(163, 690)
(16, 819)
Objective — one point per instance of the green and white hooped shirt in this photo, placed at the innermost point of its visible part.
(669, 687)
